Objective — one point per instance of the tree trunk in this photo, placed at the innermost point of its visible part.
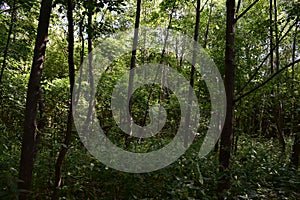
(278, 103)
(41, 122)
(33, 93)
(91, 67)
(63, 151)
(5, 53)
(295, 128)
(277, 61)
(161, 62)
(81, 58)
(208, 25)
(271, 37)
(132, 66)
(227, 133)
(238, 6)
(165, 72)
(296, 150)
(196, 36)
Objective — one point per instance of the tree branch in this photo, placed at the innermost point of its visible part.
(264, 60)
(245, 11)
(203, 6)
(266, 81)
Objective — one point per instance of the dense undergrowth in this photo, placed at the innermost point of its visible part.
(259, 171)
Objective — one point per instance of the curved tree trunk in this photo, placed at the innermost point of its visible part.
(63, 151)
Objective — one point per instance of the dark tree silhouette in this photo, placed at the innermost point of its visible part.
(33, 95)
(227, 133)
(63, 151)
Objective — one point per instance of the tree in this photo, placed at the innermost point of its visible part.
(33, 96)
(63, 151)
(227, 132)
(64, 169)
(90, 34)
(296, 127)
(133, 63)
(192, 81)
(13, 11)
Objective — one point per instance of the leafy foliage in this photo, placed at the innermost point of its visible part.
(260, 169)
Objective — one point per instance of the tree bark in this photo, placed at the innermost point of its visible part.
(33, 93)
(63, 151)
(5, 53)
(227, 133)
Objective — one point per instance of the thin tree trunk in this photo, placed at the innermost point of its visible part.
(271, 37)
(296, 129)
(132, 66)
(63, 151)
(216, 148)
(238, 6)
(192, 82)
(5, 53)
(277, 61)
(161, 62)
(33, 93)
(91, 68)
(279, 108)
(227, 133)
(279, 124)
(165, 72)
(208, 25)
(145, 14)
(81, 59)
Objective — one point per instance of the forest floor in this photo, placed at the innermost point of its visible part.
(259, 170)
